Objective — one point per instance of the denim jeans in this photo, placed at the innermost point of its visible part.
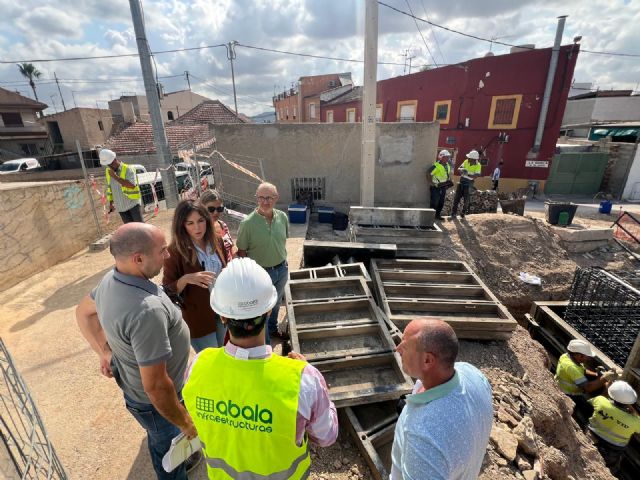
(279, 277)
(160, 432)
(212, 340)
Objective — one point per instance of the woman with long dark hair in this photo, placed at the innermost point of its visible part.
(212, 201)
(197, 256)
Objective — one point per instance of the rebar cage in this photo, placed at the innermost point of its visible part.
(605, 309)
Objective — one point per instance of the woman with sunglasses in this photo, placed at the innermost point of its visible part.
(210, 199)
(197, 256)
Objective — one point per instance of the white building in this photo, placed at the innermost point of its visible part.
(591, 108)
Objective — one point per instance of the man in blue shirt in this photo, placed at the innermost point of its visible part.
(443, 431)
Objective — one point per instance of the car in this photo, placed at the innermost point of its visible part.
(184, 166)
(138, 168)
(19, 165)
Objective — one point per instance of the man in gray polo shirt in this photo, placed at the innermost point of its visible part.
(141, 338)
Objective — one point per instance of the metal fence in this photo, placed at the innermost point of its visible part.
(25, 450)
(606, 310)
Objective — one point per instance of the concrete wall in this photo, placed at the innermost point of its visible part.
(42, 224)
(332, 151)
(632, 187)
(617, 109)
(578, 111)
(81, 124)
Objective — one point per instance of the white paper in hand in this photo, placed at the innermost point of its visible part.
(181, 449)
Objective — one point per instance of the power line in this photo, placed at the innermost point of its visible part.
(228, 92)
(421, 35)
(476, 37)
(433, 32)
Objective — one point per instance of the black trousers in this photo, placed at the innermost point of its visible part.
(495, 185)
(462, 190)
(437, 199)
(132, 215)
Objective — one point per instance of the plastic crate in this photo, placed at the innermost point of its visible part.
(297, 213)
(325, 214)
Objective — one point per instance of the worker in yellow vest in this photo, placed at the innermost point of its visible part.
(255, 412)
(575, 380)
(439, 174)
(469, 170)
(123, 192)
(614, 422)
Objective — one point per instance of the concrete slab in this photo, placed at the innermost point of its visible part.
(584, 246)
(100, 244)
(580, 234)
(383, 216)
(318, 253)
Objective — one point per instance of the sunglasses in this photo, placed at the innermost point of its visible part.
(216, 209)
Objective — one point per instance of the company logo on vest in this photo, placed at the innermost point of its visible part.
(234, 415)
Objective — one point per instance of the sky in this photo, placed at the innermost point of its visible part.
(44, 29)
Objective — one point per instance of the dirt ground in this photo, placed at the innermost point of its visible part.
(96, 438)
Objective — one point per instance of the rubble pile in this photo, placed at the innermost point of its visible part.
(482, 201)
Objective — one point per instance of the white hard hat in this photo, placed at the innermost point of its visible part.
(622, 392)
(243, 290)
(106, 157)
(444, 153)
(473, 155)
(580, 346)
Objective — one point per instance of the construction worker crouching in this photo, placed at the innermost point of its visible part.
(574, 379)
(255, 412)
(122, 189)
(614, 422)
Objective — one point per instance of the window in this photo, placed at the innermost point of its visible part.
(406, 111)
(329, 116)
(351, 115)
(294, 113)
(286, 113)
(312, 110)
(504, 111)
(12, 119)
(306, 190)
(379, 113)
(100, 125)
(169, 115)
(29, 148)
(441, 111)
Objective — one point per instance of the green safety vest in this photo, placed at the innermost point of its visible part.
(611, 423)
(472, 169)
(567, 372)
(245, 413)
(440, 173)
(130, 193)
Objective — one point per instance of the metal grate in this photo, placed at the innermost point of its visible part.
(25, 449)
(606, 311)
(307, 190)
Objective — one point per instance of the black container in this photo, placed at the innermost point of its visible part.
(340, 221)
(552, 211)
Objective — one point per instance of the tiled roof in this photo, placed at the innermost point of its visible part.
(9, 98)
(210, 111)
(353, 95)
(138, 137)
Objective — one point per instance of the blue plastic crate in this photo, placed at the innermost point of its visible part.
(325, 214)
(297, 213)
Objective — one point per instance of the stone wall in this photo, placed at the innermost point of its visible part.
(42, 224)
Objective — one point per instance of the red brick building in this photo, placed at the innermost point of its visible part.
(477, 100)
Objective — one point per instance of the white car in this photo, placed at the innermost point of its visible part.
(138, 168)
(19, 165)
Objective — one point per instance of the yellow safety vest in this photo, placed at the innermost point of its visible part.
(245, 413)
(567, 372)
(440, 173)
(131, 193)
(472, 169)
(611, 423)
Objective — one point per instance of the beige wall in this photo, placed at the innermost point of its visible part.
(81, 124)
(331, 151)
(41, 225)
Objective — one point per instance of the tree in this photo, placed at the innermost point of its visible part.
(29, 70)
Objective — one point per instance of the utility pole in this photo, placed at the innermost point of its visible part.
(186, 73)
(153, 101)
(73, 95)
(52, 97)
(60, 92)
(368, 160)
(231, 55)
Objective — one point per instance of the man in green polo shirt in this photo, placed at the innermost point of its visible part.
(469, 170)
(263, 237)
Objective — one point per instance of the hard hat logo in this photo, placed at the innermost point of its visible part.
(248, 304)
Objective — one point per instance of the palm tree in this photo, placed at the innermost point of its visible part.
(29, 70)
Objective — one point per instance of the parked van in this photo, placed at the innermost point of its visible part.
(19, 165)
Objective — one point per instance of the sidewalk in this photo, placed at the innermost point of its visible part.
(587, 206)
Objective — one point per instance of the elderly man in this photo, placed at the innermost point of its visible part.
(141, 339)
(443, 431)
(262, 236)
(123, 192)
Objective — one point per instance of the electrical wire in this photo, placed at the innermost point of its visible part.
(421, 35)
(433, 32)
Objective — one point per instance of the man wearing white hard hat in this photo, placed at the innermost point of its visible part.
(614, 422)
(123, 192)
(439, 174)
(254, 411)
(469, 170)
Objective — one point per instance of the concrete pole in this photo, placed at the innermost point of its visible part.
(231, 55)
(60, 92)
(551, 74)
(153, 101)
(368, 160)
